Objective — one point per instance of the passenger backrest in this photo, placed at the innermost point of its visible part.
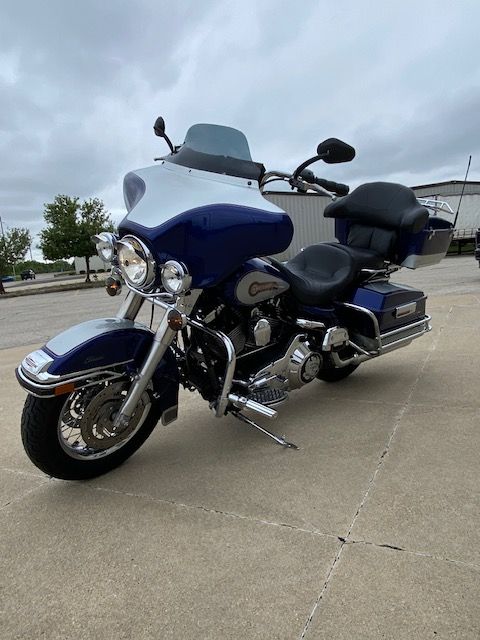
(380, 241)
(375, 216)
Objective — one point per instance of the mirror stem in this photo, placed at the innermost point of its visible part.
(169, 142)
(305, 164)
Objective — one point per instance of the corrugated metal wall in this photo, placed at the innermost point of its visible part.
(306, 212)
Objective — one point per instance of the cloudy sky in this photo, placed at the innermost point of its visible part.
(81, 84)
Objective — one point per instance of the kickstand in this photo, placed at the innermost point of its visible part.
(278, 439)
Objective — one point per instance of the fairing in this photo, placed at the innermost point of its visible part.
(211, 222)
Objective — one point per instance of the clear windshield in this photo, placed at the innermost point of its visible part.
(218, 141)
(212, 147)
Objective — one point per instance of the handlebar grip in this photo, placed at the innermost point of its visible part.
(336, 187)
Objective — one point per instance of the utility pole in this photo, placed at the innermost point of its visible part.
(2, 289)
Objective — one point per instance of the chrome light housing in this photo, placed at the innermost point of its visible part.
(136, 262)
(175, 277)
(106, 243)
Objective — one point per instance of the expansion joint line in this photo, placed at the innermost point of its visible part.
(371, 482)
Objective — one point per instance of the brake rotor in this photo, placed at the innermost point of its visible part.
(97, 422)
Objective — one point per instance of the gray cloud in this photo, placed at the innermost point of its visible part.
(81, 83)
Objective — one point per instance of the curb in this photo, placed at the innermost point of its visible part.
(55, 289)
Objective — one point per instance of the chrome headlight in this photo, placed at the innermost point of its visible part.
(106, 243)
(136, 262)
(175, 277)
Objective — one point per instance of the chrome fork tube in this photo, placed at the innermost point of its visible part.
(130, 306)
(162, 340)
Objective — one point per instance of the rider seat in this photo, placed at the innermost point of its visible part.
(322, 271)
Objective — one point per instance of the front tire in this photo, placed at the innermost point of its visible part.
(45, 440)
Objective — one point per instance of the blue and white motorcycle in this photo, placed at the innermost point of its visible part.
(237, 325)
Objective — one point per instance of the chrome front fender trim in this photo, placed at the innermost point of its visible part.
(47, 390)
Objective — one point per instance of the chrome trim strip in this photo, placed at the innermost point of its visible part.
(44, 390)
(425, 319)
(405, 310)
(52, 381)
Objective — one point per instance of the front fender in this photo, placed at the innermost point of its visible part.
(95, 351)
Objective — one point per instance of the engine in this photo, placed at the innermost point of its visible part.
(272, 357)
(299, 365)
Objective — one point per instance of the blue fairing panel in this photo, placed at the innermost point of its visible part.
(215, 240)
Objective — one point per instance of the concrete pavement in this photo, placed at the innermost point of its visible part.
(370, 531)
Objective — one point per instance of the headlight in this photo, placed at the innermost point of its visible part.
(136, 262)
(175, 277)
(106, 243)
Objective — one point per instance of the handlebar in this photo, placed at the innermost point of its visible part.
(335, 187)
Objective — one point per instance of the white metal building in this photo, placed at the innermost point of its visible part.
(95, 264)
(306, 211)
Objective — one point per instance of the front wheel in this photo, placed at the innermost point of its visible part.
(75, 438)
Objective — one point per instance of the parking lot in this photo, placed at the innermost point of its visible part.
(370, 530)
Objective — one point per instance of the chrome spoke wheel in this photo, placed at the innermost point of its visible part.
(86, 427)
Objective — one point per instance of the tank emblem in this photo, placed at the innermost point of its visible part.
(259, 287)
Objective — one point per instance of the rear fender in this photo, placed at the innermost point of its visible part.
(96, 351)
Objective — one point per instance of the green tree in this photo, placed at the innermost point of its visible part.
(70, 227)
(14, 245)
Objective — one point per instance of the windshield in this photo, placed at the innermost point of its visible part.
(217, 140)
(219, 149)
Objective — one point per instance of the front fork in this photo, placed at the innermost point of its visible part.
(163, 338)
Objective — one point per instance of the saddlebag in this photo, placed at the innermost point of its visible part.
(382, 316)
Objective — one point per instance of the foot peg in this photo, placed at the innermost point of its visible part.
(241, 402)
(278, 439)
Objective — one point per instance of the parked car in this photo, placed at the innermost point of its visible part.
(477, 246)
(8, 278)
(28, 274)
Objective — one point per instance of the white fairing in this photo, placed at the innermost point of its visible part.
(172, 189)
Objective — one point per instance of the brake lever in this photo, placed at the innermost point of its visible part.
(304, 186)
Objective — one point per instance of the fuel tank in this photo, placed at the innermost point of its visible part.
(255, 281)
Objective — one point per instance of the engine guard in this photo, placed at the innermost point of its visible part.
(97, 351)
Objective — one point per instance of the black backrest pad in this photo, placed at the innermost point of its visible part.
(380, 241)
(381, 204)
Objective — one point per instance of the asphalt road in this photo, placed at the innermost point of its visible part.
(36, 318)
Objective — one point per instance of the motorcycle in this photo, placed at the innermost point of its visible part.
(235, 324)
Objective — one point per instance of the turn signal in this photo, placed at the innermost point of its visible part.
(176, 320)
(113, 286)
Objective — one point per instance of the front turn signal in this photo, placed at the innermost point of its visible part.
(113, 286)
